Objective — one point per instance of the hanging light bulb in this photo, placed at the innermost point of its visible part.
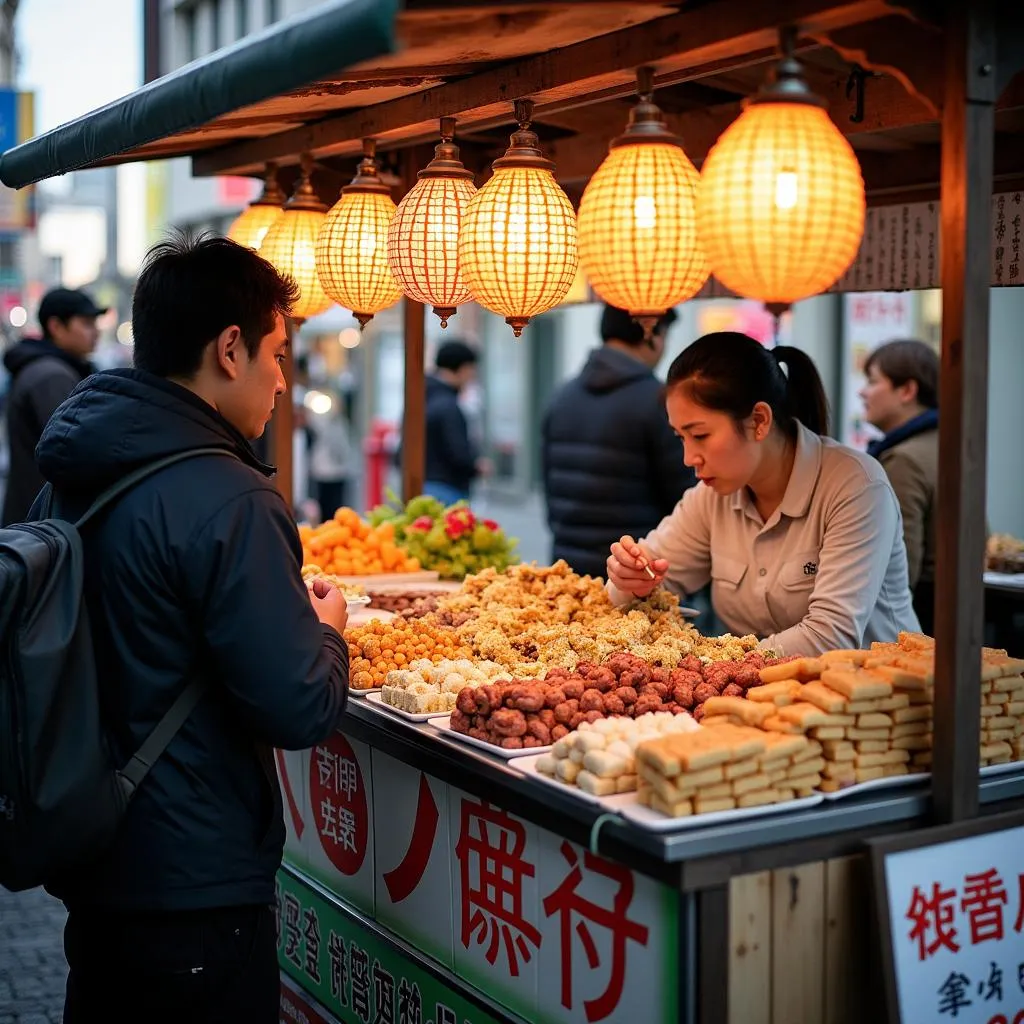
(351, 250)
(423, 240)
(253, 222)
(780, 208)
(290, 243)
(517, 242)
(637, 218)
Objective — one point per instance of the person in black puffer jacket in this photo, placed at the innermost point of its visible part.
(611, 462)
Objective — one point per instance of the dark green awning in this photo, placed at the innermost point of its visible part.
(282, 58)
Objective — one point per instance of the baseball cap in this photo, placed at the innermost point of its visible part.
(66, 303)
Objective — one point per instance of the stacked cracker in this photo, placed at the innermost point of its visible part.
(600, 757)
(728, 766)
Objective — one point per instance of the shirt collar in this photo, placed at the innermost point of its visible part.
(802, 480)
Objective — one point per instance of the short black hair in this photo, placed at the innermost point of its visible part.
(191, 288)
(906, 360)
(453, 355)
(618, 325)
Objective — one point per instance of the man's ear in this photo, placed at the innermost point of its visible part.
(231, 352)
(908, 391)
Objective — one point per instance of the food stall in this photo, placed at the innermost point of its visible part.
(427, 878)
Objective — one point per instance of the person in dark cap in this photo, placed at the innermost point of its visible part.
(452, 460)
(44, 371)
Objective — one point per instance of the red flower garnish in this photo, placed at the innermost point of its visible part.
(491, 524)
(423, 523)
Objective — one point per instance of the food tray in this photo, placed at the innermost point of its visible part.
(893, 782)
(353, 692)
(1001, 769)
(629, 806)
(528, 766)
(444, 725)
(360, 601)
(377, 702)
(391, 578)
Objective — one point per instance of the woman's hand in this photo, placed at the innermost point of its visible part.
(626, 568)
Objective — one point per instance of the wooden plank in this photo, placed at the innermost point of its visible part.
(690, 38)
(847, 940)
(798, 960)
(750, 949)
(713, 955)
(966, 218)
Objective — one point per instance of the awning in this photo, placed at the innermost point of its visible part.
(278, 60)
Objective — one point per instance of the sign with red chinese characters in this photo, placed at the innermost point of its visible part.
(955, 912)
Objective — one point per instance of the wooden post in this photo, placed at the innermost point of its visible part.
(282, 426)
(414, 421)
(967, 160)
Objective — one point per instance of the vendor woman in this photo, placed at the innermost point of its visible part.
(800, 536)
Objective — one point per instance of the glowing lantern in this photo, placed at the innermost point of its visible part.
(254, 221)
(637, 219)
(351, 250)
(290, 244)
(517, 242)
(423, 240)
(780, 207)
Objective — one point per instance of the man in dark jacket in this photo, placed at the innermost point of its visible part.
(452, 460)
(44, 371)
(195, 572)
(611, 462)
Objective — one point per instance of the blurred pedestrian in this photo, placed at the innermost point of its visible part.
(44, 371)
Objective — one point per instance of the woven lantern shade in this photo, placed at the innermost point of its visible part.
(638, 221)
(254, 221)
(290, 245)
(780, 207)
(423, 240)
(351, 250)
(517, 242)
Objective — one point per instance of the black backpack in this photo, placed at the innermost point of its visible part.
(61, 796)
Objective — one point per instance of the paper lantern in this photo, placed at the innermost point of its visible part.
(254, 221)
(638, 221)
(517, 242)
(423, 240)
(780, 209)
(290, 245)
(352, 248)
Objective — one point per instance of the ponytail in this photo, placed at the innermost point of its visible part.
(805, 394)
(731, 372)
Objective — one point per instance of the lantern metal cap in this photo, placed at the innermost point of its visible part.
(273, 194)
(786, 83)
(444, 314)
(446, 162)
(646, 121)
(524, 150)
(304, 197)
(367, 179)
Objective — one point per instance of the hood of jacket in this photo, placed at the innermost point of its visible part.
(30, 349)
(608, 369)
(118, 420)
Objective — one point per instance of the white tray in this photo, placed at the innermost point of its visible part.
(376, 701)
(1001, 769)
(629, 806)
(445, 725)
(528, 766)
(893, 782)
(353, 692)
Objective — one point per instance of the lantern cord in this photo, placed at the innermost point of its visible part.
(645, 83)
(523, 113)
(855, 91)
(787, 41)
(447, 130)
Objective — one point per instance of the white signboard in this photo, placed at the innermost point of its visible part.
(956, 921)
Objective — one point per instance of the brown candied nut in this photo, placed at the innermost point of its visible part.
(532, 741)
(465, 702)
(508, 722)
(691, 663)
(527, 697)
(613, 705)
(512, 742)
(573, 688)
(747, 677)
(554, 696)
(585, 669)
(539, 731)
(558, 672)
(754, 658)
(732, 690)
(661, 689)
(592, 700)
(559, 732)
(682, 694)
(632, 678)
(576, 719)
(627, 695)
(460, 721)
(487, 697)
(618, 663)
(481, 734)
(673, 708)
(698, 712)
(480, 721)
(547, 716)
(645, 705)
(704, 691)
(566, 710)
(593, 716)
(659, 674)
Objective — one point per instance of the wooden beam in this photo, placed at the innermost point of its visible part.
(282, 428)
(968, 123)
(688, 39)
(414, 417)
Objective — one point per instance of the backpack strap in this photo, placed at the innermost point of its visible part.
(126, 483)
(157, 741)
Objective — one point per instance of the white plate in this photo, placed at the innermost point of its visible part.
(353, 692)
(528, 766)
(358, 601)
(629, 806)
(1001, 769)
(445, 725)
(893, 782)
(376, 700)
(689, 613)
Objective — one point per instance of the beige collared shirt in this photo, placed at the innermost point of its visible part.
(827, 570)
